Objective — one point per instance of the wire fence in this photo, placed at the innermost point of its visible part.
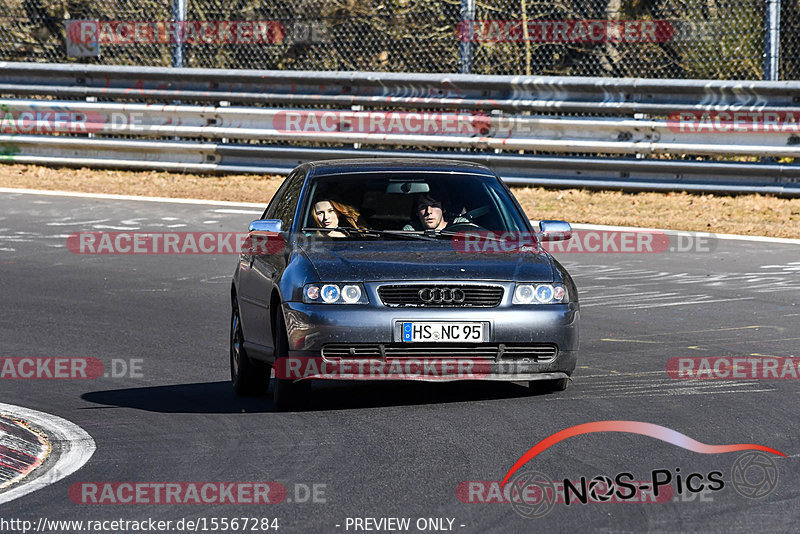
(700, 39)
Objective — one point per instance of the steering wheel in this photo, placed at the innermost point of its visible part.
(463, 226)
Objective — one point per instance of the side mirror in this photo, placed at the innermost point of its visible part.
(555, 230)
(272, 226)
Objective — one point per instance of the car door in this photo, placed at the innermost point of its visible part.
(259, 272)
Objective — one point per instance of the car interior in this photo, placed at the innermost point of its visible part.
(388, 204)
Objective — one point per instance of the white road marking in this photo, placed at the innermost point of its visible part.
(688, 391)
(76, 445)
(675, 384)
(684, 303)
(105, 196)
(626, 299)
(581, 226)
(244, 212)
(629, 295)
(77, 223)
(620, 374)
(615, 340)
(632, 304)
(726, 329)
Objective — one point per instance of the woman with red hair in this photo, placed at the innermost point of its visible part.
(329, 213)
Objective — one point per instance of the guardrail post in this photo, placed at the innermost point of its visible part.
(178, 15)
(772, 40)
(465, 34)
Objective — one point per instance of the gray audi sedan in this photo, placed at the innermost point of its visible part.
(399, 269)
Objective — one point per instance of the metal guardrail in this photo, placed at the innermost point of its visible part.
(441, 91)
(499, 113)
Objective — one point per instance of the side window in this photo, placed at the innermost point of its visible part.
(285, 201)
(269, 213)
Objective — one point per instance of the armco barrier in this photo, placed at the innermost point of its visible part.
(207, 120)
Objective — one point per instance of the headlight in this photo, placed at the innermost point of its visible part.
(330, 293)
(544, 293)
(311, 293)
(523, 294)
(351, 294)
(540, 294)
(334, 294)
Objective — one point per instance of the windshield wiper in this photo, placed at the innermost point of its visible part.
(413, 234)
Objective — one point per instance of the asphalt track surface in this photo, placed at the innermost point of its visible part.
(394, 449)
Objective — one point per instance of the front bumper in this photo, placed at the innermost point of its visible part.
(311, 327)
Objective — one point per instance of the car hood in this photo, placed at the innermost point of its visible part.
(421, 260)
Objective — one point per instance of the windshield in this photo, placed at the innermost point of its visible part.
(378, 205)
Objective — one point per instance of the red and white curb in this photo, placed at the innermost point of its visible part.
(70, 445)
(21, 451)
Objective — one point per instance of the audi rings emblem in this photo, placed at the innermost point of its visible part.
(441, 295)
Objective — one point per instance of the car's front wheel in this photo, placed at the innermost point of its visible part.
(247, 376)
(287, 394)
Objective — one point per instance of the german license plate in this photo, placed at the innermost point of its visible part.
(430, 331)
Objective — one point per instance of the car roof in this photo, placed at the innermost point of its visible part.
(399, 165)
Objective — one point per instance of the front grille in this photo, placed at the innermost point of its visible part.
(536, 352)
(441, 295)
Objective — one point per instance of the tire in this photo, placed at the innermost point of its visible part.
(548, 386)
(247, 376)
(287, 395)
